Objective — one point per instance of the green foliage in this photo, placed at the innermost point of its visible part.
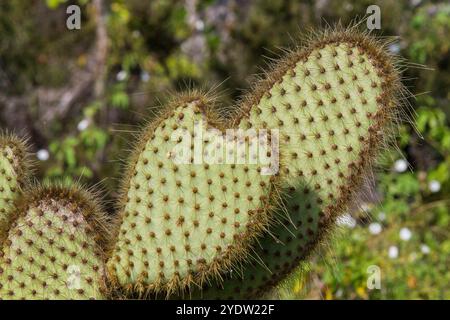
(428, 48)
(68, 161)
(53, 4)
(417, 271)
(119, 97)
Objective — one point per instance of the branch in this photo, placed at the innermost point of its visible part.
(59, 102)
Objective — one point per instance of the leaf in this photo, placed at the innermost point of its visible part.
(120, 99)
(53, 4)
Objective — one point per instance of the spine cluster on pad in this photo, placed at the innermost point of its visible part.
(213, 229)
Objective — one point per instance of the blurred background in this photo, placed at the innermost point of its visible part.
(77, 95)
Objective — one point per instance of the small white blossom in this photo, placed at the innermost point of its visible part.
(382, 216)
(434, 186)
(83, 124)
(432, 10)
(405, 234)
(394, 48)
(400, 165)
(145, 76)
(136, 34)
(121, 75)
(375, 228)
(393, 252)
(43, 155)
(346, 220)
(425, 249)
(199, 25)
(348, 6)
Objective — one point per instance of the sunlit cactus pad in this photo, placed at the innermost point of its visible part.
(334, 103)
(185, 222)
(13, 173)
(54, 248)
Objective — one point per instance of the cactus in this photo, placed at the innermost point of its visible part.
(14, 171)
(55, 246)
(335, 102)
(183, 223)
(186, 222)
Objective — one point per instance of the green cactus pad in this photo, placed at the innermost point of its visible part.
(184, 222)
(14, 168)
(55, 246)
(334, 103)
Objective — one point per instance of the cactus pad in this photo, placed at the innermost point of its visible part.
(54, 248)
(334, 103)
(13, 173)
(185, 222)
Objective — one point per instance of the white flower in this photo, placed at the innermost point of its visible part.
(43, 155)
(83, 124)
(346, 220)
(434, 186)
(394, 48)
(365, 207)
(348, 6)
(393, 252)
(375, 228)
(425, 249)
(400, 165)
(199, 25)
(136, 34)
(121, 75)
(382, 216)
(145, 76)
(405, 234)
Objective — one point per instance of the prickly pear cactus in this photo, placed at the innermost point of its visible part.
(54, 247)
(194, 213)
(334, 103)
(13, 173)
(185, 220)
